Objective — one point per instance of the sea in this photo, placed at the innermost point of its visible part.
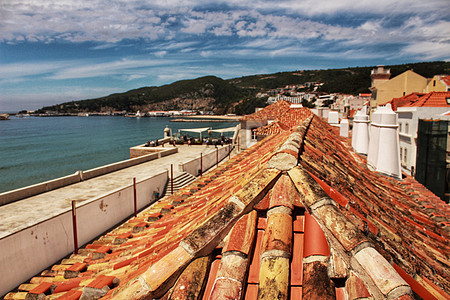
(37, 149)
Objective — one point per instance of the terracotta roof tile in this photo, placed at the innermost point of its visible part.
(41, 288)
(242, 235)
(71, 295)
(189, 284)
(270, 112)
(253, 276)
(297, 260)
(356, 288)
(274, 278)
(212, 276)
(402, 101)
(315, 241)
(433, 99)
(278, 235)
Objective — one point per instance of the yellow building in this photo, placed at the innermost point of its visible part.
(406, 83)
(439, 83)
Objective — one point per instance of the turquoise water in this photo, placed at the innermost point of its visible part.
(37, 149)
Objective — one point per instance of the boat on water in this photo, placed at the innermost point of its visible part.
(138, 114)
(4, 117)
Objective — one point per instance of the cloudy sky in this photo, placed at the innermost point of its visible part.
(52, 51)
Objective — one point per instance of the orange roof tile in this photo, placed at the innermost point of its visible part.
(270, 112)
(287, 120)
(446, 79)
(433, 99)
(402, 101)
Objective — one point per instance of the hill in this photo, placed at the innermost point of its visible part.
(237, 95)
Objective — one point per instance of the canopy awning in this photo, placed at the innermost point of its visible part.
(196, 130)
(222, 130)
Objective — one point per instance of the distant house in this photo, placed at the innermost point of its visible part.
(344, 104)
(410, 109)
(277, 117)
(439, 83)
(384, 90)
(260, 118)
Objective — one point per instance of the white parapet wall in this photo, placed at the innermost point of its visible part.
(207, 161)
(27, 252)
(31, 190)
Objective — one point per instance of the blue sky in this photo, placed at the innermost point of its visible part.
(52, 51)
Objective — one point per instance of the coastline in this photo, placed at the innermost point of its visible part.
(207, 118)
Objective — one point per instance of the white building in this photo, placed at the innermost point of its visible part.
(429, 106)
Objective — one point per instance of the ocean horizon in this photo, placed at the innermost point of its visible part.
(37, 149)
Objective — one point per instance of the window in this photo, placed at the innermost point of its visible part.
(254, 136)
(406, 156)
(400, 127)
(401, 153)
(434, 82)
(406, 128)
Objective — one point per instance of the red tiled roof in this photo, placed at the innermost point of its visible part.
(287, 120)
(263, 226)
(402, 101)
(270, 112)
(446, 79)
(433, 99)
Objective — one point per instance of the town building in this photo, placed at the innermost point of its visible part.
(433, 159)
(261, 118)
(410, 109)
(439, 83)
(346, 105)
(384, 89)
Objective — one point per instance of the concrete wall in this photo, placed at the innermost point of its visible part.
(403, 84)
(27, 252)
(246, 140)
(28, 191)
(22, 193)
(208, 160)
(142, 150)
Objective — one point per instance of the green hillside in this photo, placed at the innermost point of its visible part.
(348, 80)
(237, 95)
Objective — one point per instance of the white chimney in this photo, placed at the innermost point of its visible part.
(384, 149)
(360, 135)
(333, 117)
(344, 127)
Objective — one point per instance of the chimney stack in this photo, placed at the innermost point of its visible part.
(333, 117)
(344, 127)
(360, 135)
(384, 149)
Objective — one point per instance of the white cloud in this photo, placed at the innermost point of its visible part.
(118, 67)
(160, 53)
(134, 76)
(428, 50)
(76, 69)
(17, 71)
(206, 54)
